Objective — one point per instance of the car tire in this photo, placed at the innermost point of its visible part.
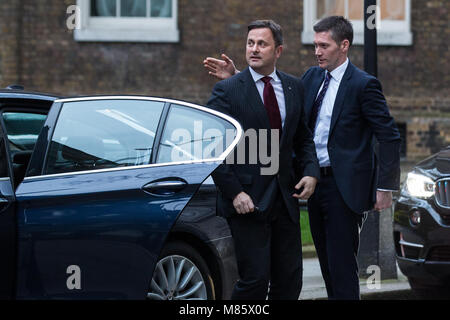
(429, 291)
(181, 273)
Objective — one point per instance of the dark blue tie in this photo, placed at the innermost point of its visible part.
(318, 103)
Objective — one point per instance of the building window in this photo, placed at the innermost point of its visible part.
(128, 20)
(394, 15)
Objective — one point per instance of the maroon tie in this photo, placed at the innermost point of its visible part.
(271, 104)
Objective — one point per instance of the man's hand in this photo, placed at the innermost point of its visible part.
(384, 200)
(221, 69)
(243, 203)
(309, 185)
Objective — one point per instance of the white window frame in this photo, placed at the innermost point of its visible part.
(126, 29)
(390, 33)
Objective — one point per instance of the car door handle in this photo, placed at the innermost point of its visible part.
(165, 187)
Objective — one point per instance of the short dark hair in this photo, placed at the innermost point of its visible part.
(340, 28)
(277, 32)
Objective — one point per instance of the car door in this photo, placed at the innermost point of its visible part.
(20, 125)
(7, 225)
(107, 180)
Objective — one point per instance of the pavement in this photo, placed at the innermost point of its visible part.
(314, 286)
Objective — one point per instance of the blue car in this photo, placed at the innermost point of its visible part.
(110, 197)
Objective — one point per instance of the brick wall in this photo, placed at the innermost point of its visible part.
(9, 36)
(415, 78)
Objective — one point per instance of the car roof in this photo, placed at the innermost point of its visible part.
(21, 94)
(20, 97)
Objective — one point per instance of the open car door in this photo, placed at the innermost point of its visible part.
(106, 183)
(8, 225)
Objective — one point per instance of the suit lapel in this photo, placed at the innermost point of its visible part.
(254, 99)
(340, 97)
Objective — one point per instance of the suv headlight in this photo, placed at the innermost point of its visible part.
(420, 186)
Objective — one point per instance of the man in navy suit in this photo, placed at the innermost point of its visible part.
(261, 208)
(345, 108)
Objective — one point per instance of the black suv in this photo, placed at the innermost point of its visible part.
(422, 227)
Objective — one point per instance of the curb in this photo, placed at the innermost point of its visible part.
(309, 251)
(388, 289)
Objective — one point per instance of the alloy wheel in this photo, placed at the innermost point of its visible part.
(177, 278)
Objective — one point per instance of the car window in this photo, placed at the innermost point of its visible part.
(191, 134)
(23, 129)
(91, 135)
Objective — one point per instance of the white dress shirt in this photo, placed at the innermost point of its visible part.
(277, 87)
(325, 113)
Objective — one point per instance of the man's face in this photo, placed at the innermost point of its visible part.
(262, 54)
(329, 54)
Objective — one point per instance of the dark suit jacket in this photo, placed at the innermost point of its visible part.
(360, 112)
(239, 98)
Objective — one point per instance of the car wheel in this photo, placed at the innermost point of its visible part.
(181, 274)
(425, 290)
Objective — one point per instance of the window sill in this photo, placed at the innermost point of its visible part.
(127, 35)
(383, 38)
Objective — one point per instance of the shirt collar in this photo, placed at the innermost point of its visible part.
(339, 72)
(256, 76)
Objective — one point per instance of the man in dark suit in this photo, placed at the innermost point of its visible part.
(345, 108)
(262, 209)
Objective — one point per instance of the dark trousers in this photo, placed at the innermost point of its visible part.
(335, 231)
(268, 249)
